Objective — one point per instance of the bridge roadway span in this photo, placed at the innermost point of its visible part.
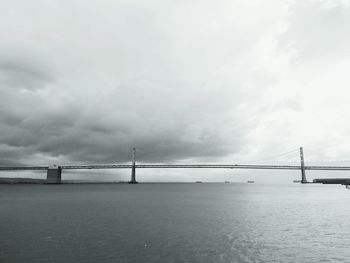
(214, 166)
(54, 172)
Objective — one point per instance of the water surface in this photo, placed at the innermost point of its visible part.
(174, 223)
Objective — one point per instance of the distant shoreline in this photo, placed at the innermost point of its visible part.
(19, 180)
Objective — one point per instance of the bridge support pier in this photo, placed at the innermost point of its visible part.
(133, 168)
(54, 175)
(302, 167)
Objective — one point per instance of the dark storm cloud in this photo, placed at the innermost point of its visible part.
(9, 155)
(106, 136)
(163, 128)
(20, 74)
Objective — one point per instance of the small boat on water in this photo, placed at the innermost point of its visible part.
(251, 182)
(199, 182)
(227, 182)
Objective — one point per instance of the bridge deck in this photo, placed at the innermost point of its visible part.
(210, 166)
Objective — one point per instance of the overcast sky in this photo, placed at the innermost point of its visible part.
(204, 81)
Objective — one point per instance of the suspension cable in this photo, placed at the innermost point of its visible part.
(275, 156)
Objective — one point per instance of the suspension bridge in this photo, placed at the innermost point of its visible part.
(54, 173)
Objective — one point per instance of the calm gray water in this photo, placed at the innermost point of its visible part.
(174, 223)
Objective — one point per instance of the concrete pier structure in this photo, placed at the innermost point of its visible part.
(133, 168)
(54, 173)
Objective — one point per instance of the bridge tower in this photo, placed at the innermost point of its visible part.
(302, 166)
(133, 168)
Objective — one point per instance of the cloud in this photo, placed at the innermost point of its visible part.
(318, 29)
(185, 80)
(310, 64)
(93, 82)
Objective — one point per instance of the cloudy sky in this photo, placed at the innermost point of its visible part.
(201, 81)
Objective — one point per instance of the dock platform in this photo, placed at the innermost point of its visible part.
(342, 181)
